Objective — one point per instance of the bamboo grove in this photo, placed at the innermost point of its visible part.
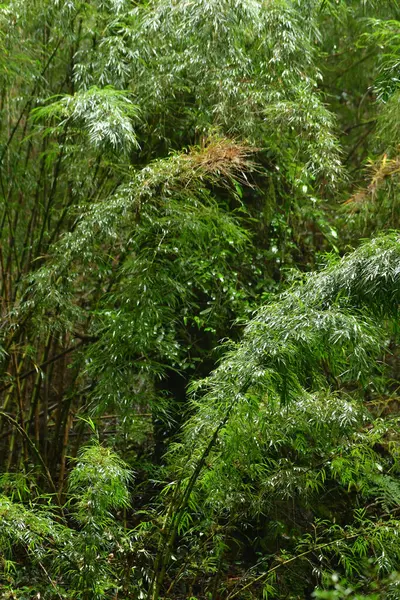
(199, 287)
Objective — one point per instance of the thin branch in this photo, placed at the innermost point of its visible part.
(44, 364)
(46, 471)
(290, 560)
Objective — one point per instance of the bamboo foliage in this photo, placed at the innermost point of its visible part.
(86, 181)
(315, 337)
(164, 165)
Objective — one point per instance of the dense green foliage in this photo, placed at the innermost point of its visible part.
(200, 282)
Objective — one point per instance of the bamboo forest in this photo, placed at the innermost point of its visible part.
(199, 295)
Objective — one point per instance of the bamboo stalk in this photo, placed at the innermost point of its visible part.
(42, 463)
(45, 364)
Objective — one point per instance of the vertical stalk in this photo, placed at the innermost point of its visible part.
(64, 452)
(165, 551)
(20, 404)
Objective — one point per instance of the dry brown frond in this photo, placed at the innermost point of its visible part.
(380, 171)
(223, 158)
